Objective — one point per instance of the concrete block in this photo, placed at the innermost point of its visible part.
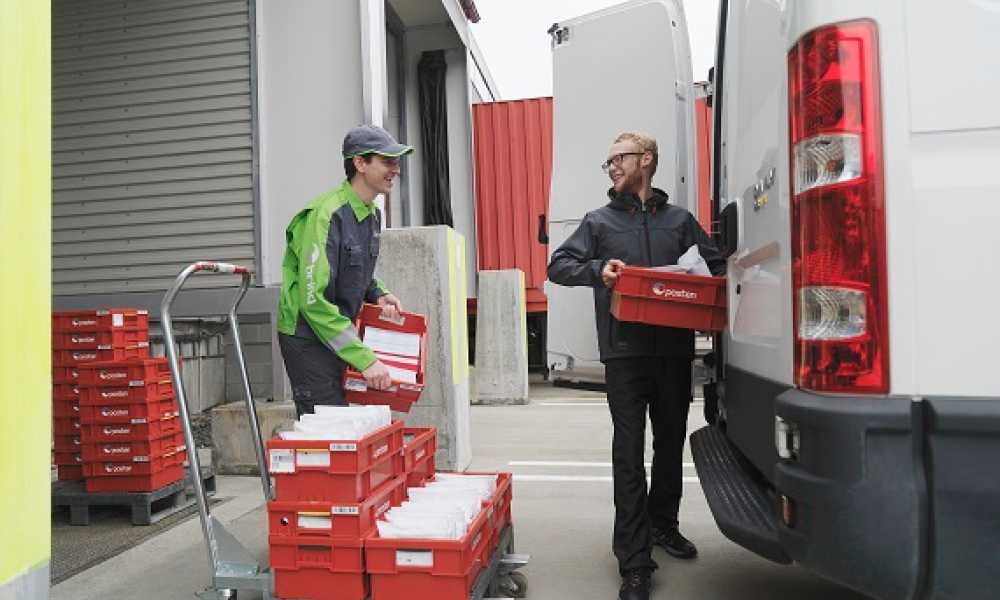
(501, 339)
(425, 268)
(231, 438)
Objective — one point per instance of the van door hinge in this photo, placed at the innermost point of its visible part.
(560, 35)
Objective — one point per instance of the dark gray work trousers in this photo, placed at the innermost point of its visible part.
(663, 387)
(315, 371)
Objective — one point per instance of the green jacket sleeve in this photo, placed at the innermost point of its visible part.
(376, 289)
(319, 250)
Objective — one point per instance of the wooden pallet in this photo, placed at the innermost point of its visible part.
(147, 507)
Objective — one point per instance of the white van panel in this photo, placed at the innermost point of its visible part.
(627, 68)
(755, 153)
(954, 79)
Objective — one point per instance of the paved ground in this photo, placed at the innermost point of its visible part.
(559, 450)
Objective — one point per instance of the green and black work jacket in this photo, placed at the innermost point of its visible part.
(328, 272)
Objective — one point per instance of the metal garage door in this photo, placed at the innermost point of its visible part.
(152, 141)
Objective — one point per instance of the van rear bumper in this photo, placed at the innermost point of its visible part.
(894, 495)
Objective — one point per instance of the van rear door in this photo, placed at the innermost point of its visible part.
(626, 68)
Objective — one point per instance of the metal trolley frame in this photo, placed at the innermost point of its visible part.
(232, 566)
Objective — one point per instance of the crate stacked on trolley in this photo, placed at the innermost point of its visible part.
(329, 496)
(116, 422)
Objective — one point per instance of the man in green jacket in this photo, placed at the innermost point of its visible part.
(328, 272)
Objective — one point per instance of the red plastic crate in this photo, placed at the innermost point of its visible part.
(419, 448)
(318, 569)
(69, 472)
(139, 412)
(334, 520)
(65, 375)
(439, 569)
(133, 372)
(148, 391)
(66, 426)
(67, 443)
(99, 340)
(309, 469)
(137, 483)
(128, 432)
(73, 358)
(133, 468)
(401, 396)
(670, 299)
(134, 450)
(68, 458)
(66, 409)
(100, 320)
(66, 391)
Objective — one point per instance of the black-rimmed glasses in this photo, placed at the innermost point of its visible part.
(617, 159)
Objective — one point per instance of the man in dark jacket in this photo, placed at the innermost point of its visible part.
(645, 366)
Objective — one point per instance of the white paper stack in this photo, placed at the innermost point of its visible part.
(441, 510)
(399, 351)
(339, 423)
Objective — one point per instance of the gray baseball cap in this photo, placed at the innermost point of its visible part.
(372, 139)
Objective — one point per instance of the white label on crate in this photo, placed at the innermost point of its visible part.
(115, 394)
(282, 461)
(108, 375)
(312, 458)
(414, 558)
(315, 522)
(83, 339)
(345, 510)
(117, 320)
(138, 421)
(136, 383)
(343, 447)
(104, 347)
(409, 388)
(140, 459)
(355, 385)
(108, 411)
(381, 450)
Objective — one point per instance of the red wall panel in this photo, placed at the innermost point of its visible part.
(512, 142)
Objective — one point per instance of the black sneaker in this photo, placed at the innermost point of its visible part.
(635, 585)
(674, 543)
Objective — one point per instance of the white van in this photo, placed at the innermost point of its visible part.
(855, 168)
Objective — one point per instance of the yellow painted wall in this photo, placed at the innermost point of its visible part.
(459, 311)
(25, 276)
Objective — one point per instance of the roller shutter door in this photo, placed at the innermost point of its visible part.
(152, 142)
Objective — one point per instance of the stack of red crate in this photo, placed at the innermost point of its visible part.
(129, 426)
(328, 495)
(80, 337)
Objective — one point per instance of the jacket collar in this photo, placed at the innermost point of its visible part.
(361, 210)
(630, 202)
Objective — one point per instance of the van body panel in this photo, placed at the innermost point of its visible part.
(595, 99)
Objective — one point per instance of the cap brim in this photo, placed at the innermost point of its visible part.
(395, 151)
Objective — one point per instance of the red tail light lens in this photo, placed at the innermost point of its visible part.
(838, 211)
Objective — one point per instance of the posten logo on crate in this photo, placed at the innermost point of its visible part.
(660, 289)
(112, 375)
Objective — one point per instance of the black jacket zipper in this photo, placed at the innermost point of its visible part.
(645, 229)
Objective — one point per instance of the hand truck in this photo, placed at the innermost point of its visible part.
(230, 563)
(232, 566)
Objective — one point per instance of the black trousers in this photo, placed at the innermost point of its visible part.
(315, 371)
(663, 386)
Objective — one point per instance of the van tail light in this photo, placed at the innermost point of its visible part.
(840, 294)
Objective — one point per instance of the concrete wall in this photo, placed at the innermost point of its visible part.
(256, 335)
(310, 93)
